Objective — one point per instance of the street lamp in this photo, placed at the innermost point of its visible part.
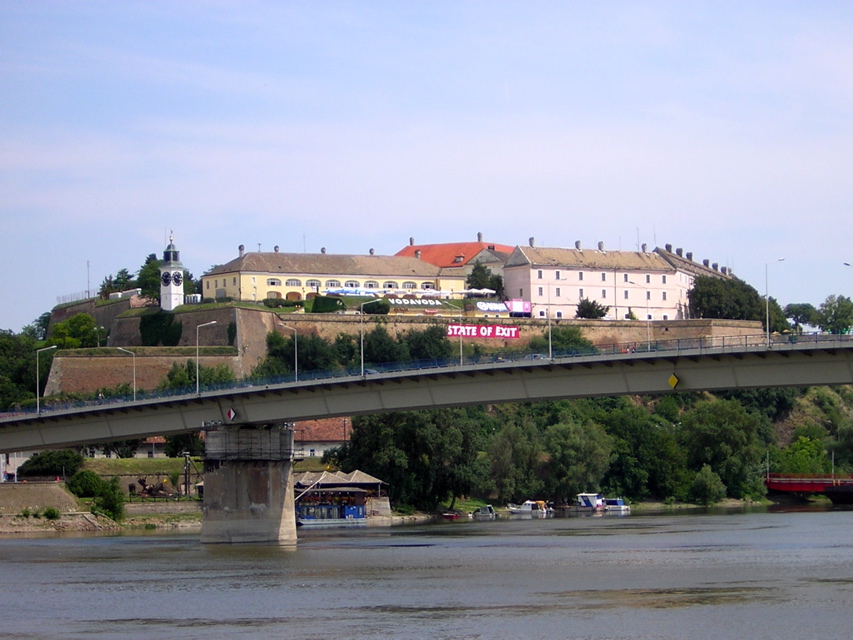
(134, 369)
(460, 336)
(295, 351)
(206, 324)
(98, 332)
(38, 385)
(767, 295)
(361, 349)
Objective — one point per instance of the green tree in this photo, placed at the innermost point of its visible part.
(379, 347)
(76, 332)
(515, 457)
(707, 487)
(179, 443)
(724, 435)
(836, 314)
(85, 484)
(733, 299)
(804, 455)
(110, 500)
(590, 309)
(183, 376)
(429, 344)
(801, 313)
(62, 463)
(122, 448)
(577, 458)
(481, 277)
(149, 278)
(564, 339)
(37, 329)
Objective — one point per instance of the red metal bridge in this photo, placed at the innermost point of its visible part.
(834, 486)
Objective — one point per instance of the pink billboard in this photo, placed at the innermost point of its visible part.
(482, 331)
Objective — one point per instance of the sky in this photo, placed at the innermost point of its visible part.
(719, 127)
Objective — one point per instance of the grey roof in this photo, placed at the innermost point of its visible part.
(328, 264)
(587, 258)
(689, 266)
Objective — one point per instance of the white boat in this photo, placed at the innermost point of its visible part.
(616, 505)
(589, 502)
(486, 512)
(530, 508)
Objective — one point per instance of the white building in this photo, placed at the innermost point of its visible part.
(646, 285)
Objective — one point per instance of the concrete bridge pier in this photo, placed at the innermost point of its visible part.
(248, 485)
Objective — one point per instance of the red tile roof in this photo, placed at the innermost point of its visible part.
(325, 430)
(444, 255)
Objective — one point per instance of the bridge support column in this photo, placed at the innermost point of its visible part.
(248, 485)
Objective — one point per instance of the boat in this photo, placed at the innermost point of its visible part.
(450, 515)
(616, 505)
(486, 512)
(589, 502)
(530, 508)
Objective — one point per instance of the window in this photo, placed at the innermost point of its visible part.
(625, 277)
(293, 282)
(314, 284)
(390, 285)
(558, 292)
(541, 292)
(625, 295)
(273, 282)
(371, 284)
(351, 284)
(663, 295)
(666, 317)
(603, 293)
(580, 275)
(410, 285)
(604, 277)
(541, 313)
(235, 281)
(333, 283)
(216, 283)
(559, 314)
(521, 293)
(663, 279)
(556, 275)
(311, 452)
(539, 274)
(427, 286)
(207, 284)
(648, 279)
(648, 295)
(580, 294)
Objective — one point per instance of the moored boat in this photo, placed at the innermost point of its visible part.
(616, 505)
(589, 502)
(530, 508)
(486, 512)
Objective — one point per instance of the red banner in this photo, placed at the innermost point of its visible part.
(482, 331)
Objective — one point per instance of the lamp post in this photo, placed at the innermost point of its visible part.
(197, 386)
(361, 332)
(98, 332)
(295, 351)
(767, 296)
(460, 337)
(38, 382)
(134, 369)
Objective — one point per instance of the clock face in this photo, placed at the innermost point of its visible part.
(166, 278)
(177, 278)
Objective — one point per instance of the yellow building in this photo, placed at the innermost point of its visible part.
(256, 276)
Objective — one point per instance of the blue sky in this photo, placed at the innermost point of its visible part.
(720, 127)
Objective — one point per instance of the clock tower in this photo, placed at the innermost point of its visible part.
(171, 279)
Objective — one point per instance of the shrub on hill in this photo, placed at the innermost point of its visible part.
(64, 462)
(85, 484)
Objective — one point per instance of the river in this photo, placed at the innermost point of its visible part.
(765, 574)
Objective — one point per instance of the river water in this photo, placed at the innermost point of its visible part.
(783, 574)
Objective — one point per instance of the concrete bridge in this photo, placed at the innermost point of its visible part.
(681, 365)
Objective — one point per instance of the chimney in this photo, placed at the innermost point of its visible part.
(411, 242)
(418, 254)
(645, 247)
(532, 241)
(689, 256)
(578, 245)
(601, 246)
(679, 252)
(371, 251)
(715, 267)
(323, 250)
(724, 270)
(479, 237)
(241, 249)
(275, 248)
(706, 262)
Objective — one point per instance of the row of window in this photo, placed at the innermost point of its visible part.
(558, 293)
(625, 276)
(332, 284)
(559, 314)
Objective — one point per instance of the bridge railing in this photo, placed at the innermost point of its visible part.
(621, 349)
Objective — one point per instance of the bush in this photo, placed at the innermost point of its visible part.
(110, 501)
(51, 513)
(707, 488)
(85, 484)
(52, 463)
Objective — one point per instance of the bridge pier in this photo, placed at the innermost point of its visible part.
(248, 485)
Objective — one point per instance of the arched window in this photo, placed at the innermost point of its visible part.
(371, 284)
(352, 284)
(333, 283)
(273, 282)
(410, 285)
(314, 284)
(390, 285)
(293, 282)
(427, 285)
